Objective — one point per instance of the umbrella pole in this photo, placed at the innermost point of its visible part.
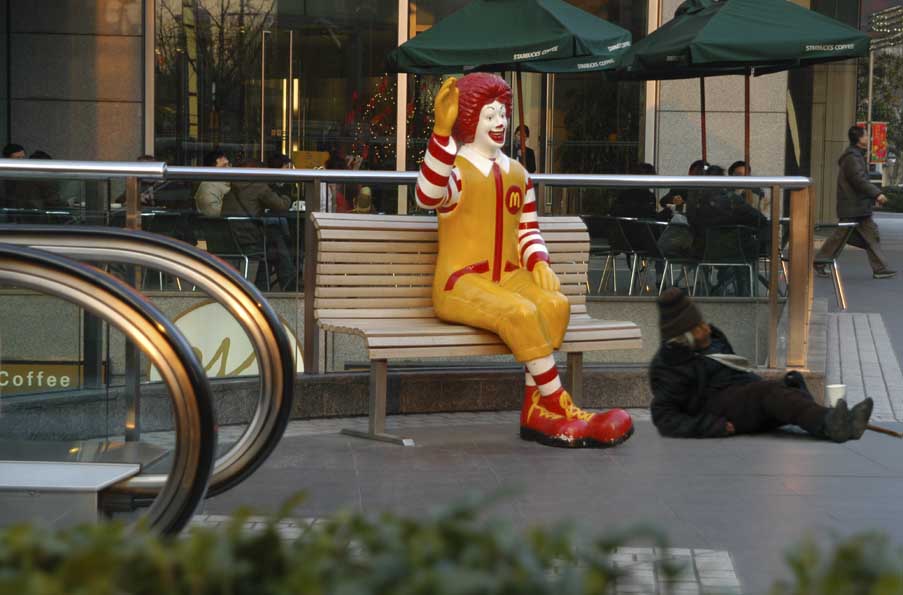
(702, 113)
(747, 193)
(746, 124)
(520, 119)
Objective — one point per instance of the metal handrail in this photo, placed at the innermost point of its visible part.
(30, 168)
(799, 185)
(124, 308)
(81, 170)
(410, 177)
(219, 280)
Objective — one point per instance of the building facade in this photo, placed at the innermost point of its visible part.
(114, 79)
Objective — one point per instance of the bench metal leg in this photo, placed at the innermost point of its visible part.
(379, 375)
(575, 375)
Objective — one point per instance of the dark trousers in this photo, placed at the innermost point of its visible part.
(766, 405)
(864, 236)
(280, 260)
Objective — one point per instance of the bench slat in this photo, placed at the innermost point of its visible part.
(369, 269)
(437, 328)
(391, 295)
(425, 317)
(333, 313)
(378, 234)
(439, 351)
(565, 236)
(379, 247)
(613, 345)
(372, 302)
(576, 257)
(376, 258)
(567, 246)
(401, 223)
(355, 280)
(450, 335)
(322, 217)
(380, 342)
(497, 349)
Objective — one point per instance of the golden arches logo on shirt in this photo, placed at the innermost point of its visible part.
(514, 199)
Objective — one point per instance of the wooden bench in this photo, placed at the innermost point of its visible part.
(374, 279)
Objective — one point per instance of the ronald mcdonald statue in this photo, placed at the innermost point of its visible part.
(492, 271)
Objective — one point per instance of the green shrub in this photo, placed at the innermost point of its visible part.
(866, 564)
(458, 551)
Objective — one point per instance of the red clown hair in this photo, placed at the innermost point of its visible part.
(475, 91)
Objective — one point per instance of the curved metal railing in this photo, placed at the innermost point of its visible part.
(225, 285)
(183, 488)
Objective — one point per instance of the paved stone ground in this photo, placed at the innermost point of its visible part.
(732, 506)
(703, 570)
(860, 355)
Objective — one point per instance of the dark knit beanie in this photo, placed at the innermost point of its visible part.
(676, 314)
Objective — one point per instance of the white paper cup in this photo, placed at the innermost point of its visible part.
(834, 393)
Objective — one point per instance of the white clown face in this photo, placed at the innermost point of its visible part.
(491, 128)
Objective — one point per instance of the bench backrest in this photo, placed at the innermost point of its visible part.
(381, 266)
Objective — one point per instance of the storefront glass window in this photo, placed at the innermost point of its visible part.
(4, 78)
(261, 77)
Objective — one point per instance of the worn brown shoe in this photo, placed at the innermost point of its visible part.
(837, 423)
(859, 418)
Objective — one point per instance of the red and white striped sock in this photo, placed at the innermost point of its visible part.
(528, 380)
(545, 376)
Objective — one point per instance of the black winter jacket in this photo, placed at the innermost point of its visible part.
(855, 193)
(682, 381)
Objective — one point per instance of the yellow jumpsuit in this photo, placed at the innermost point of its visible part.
(479, 280)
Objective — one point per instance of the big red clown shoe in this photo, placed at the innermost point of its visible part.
(556, 421)
(492, 269)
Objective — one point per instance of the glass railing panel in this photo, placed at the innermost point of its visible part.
(62, 391)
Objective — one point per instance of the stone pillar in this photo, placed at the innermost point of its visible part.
(77, 77)
(833, 112)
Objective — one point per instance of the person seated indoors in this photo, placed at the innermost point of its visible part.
(701, 389)
(8, 192)
(720, 207)
(209, 196)
(146, 197)
(39, 194)
(14, 151)
(676, 199)
(250, 201)
(741, 168)
(363, 202)
(638, 203)
(281, 161)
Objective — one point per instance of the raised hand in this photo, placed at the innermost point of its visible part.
(445, 108)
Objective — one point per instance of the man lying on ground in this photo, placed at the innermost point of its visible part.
(701, 389)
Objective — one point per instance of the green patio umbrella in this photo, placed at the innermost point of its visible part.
(717, 37)
(513, 35)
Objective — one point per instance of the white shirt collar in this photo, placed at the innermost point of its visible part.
(482, 163)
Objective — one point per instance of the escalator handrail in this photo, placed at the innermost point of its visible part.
(235, 293)
(140, 321)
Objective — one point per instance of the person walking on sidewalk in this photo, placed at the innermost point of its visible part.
(701, 389)
(856, 197)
